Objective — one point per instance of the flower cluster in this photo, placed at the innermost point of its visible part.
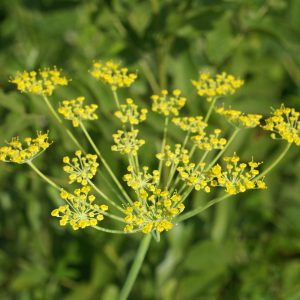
(129, 113)
(75, 111)
(42, 82)
(81, 168)
(284, 123)
(20, 153)
(239, 119)
(168, 104)
(195, 176)
(222, 85)
(173, 157)
(209, 142)
(236, 177)
(113, 74)
(155, 213)
(127, 142)
(141, 181)
(79, 212)
(190, 124)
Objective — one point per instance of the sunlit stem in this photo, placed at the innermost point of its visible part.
(113, 216)
(111, 230)
(198, 210)
(115, 94)
(163, 144)
(44, 177)
(211, 107)
(104, 196)
(234, 134)
(276, 161)
(113, 176)
(59, 120)
(136, 266)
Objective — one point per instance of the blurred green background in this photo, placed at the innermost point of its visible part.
(245, 248)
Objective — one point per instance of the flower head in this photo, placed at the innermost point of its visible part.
(155, 213)
(238, 118)
(191, 124)
(221, 85)
(209, 142)
(141, 181)
(173, 157)
(130, 114)
(168, 104)
(195, 176)
(20, 153)
(80, 210)
(113, 74)
(236, 177)
(81, 168)
(42, 82)
(126, 142)
(75, 111)
(285, 124)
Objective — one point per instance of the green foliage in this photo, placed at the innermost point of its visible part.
(245, 248)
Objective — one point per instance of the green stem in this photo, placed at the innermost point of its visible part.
(163, 144)
(276, 161)
(111, 230)
(234, 134)
(53, 184)
(198, 210)
(59, 120)
(113, 176)
(104, 196)
(210, 109)
(116, 98)
(136, 266)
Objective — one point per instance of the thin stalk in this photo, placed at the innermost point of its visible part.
(44, 177)
(163, 144)
(113, 217)
(113, 176)
(116, 98)
(211, 107)
(275, 162)
(59, 120)
(198, 210)
(136, 266)
(111, 230)
(234, 134)
(104, 196)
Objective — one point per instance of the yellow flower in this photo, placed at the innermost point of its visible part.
(209, 142)
(174, 157)
(141, 180)
(20, 153)
(155, 213)
(113, 74)
(80, 210)
(130, 114)
(285, 124)
(81, 168)
(168, 104)
(75, 111)
(127, 142)
(42, 82)
(239, 119)
(191, 124)
(236, 177)
(194, 176)
(222, 85)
